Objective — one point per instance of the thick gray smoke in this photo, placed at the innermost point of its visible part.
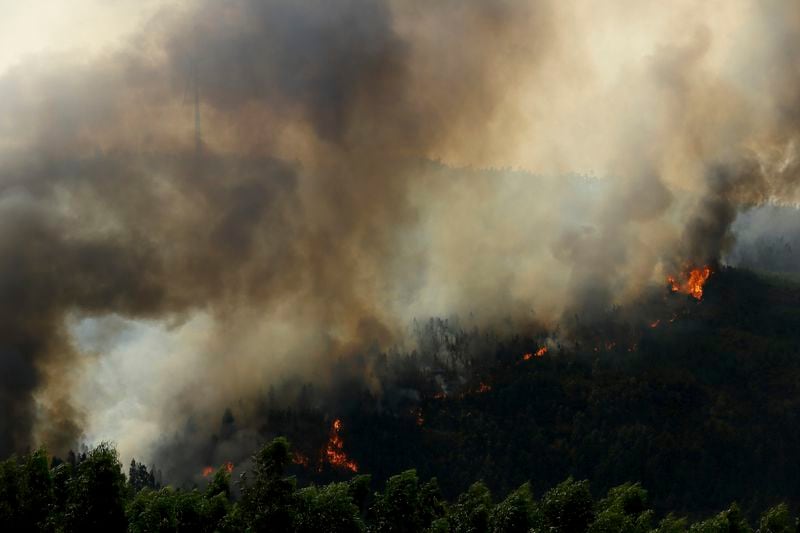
(312, 223)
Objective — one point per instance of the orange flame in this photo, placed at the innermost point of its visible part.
(538, 353)
(299, 459)
(208, 470)
(483, 387)
(693, 282)
(334, 449)
(655, 324)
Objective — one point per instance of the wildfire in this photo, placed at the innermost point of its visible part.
(334, 449)
(693, 282)
(538, 353)
(655, 324)
(483, 387)
(299, 459)
(208, 470)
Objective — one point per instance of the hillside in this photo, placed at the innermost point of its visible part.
(702, 409)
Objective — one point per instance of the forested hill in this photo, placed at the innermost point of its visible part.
(698, 401)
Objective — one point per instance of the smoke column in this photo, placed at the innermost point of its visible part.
(356, 170)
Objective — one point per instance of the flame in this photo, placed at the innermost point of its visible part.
(208, 470)
(538, 353)
(693, 282)
(483, 387)
(655, 324)
(299, 459)
(334, 449)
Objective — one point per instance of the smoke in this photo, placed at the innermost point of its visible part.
(355, 173)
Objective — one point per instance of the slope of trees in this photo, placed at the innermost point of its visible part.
(90, 493)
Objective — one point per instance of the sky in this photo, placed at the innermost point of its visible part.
(35, 27)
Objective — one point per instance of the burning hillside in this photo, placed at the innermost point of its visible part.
(691, 282)
(341, 171)
(334, 454)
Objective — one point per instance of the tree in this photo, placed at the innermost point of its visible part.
(10, 519)
(35, 490)
(96, 493)
(517, 513)
(728, 521)
(266, 503)
(471, 512)
(568, 506)
(331, 505)
(396, 510)
(139, 477)
(624, 510)
(776, 520)
(152, 511)
(671, 524)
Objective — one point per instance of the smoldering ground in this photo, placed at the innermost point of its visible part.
(309, 224)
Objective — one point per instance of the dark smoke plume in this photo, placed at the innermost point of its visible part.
(106, 209)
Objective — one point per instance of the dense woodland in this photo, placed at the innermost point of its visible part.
(90, 493)
(695, 401)
(702, 409)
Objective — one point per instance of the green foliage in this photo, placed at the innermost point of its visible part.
(776, 520)
(624, 510)
(181, 511)
(516, 514)
(152, 511)
(405, 506)
(96, 493)
(90, 493)
(26, 493)
(331, 505)
(728, 521)
(266, 502)
(359, 491)
(568, 507)
(139, 477)
(671, 524)
(471, 512)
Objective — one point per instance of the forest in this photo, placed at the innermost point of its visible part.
(696, 400)
(89, 492)
(675, 415)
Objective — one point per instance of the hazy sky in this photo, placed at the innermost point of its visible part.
(83, 26)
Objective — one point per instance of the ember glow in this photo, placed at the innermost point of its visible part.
(299, 459)
(334, 449)
(538, 353)
(692, 283)
(209, 470)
